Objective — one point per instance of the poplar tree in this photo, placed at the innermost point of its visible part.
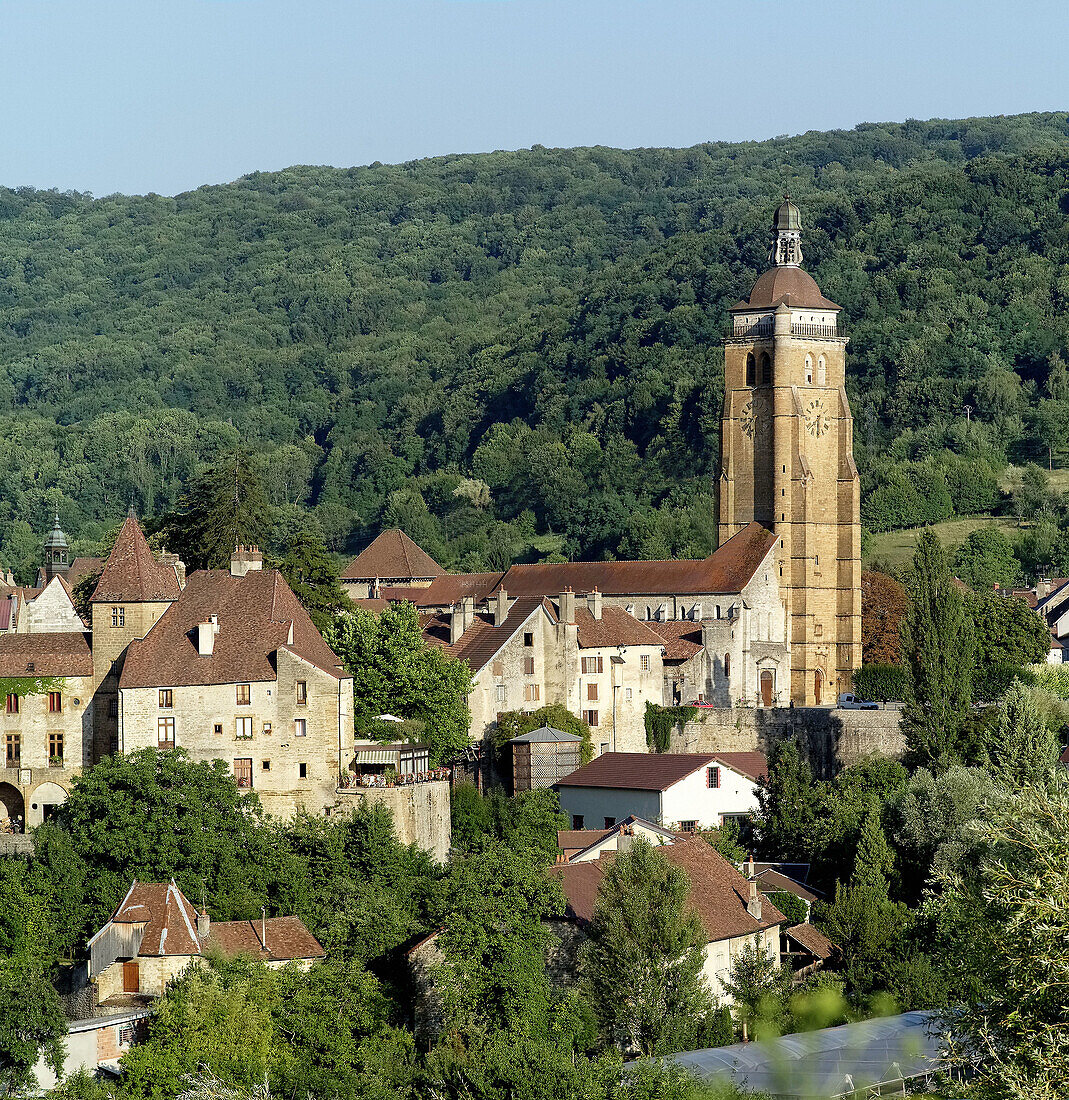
(939, 652)
(1024, 748)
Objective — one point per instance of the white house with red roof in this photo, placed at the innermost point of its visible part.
(681, 791)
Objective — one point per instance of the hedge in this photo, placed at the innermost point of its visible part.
(881, 683)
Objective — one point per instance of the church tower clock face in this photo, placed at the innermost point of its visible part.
(817, 421)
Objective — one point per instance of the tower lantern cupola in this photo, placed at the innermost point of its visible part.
(786, 235)
(56, 550)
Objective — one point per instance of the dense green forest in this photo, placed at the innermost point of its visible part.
(517, 355)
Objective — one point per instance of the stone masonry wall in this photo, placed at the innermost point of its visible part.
(420, 813)
(832, 738)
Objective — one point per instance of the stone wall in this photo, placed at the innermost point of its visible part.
(420, 813)
(832, 738)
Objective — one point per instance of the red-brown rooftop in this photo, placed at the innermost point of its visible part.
(132, 574)
(638, 771)
(790, 285)
(392, 555)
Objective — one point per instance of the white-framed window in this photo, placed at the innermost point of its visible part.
(644, 662)
(592, 665)
(627, 694)
(165, 733)
(500, 691)
(243, 728)
(300, 727)
(118, 616)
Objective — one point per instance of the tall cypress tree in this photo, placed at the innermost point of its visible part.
(939, 651)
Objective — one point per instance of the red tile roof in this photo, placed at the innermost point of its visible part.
(169, 919)
(718, 892)
(80, 568)
(392, 555)
(615, 627)
(51, 654)
(771, 881)
(638, 771)
(445, 590)
(790, 285)
(131, 574)
(682, 639)
(753, 765)
(812, 939)
(482, 640)
(255, 613)
(727, 570)
(287, 939)
(575, 840)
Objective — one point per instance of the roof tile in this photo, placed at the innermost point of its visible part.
(391, 555)
(255, 614)
(637, 771)
(131, 574)
(51, 654)
(718, 892)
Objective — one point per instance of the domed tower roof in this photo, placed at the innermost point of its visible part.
(57, 540)
(787, 216)
(785, 283)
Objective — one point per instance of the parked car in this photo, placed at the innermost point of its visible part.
(849, 701)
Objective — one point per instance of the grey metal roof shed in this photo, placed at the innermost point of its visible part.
(543, 757)
(831, 1063)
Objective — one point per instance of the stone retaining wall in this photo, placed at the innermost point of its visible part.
(832, 738)
(420, 812)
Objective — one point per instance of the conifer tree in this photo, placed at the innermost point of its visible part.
(938, 647)
(1024, 748)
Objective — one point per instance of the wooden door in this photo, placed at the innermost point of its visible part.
(818, 687)
(766, 687)
(131, 977)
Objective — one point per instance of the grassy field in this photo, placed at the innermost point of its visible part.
(896, 547)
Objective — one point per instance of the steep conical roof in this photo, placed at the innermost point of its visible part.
(131, 573)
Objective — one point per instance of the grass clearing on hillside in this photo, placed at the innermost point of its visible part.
(896, 547)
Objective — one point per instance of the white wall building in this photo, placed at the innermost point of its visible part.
(687, 791)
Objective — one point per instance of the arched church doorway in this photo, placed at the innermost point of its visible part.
(12, 808)
(44, 802)
(767, 684)
(818, 686)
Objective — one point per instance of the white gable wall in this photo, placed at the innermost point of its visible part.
(692, 799)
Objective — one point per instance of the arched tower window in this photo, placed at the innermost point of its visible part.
(766, 369)
(822, 372)
(809, 370)
(750, 369)
(727, 666)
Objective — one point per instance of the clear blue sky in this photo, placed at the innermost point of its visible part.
(164, 95)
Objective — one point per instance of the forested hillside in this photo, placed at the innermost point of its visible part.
(517, 354)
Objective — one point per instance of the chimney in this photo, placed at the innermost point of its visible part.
(753, 905)
(593, 603)
(245, 559)
(166, 558)
(467, 610)
(204, 925)
(206, 632)
(1042, 588)
(501, 607)
(625, 840)
(567, 606)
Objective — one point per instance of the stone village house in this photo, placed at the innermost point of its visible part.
(227, 666)
(601, 638)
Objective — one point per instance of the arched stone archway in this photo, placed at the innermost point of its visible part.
(12, 807)
(44, 801)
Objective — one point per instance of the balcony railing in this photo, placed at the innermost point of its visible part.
(814, 330)
(758, 328)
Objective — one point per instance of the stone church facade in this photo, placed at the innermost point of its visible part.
(787, 461)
